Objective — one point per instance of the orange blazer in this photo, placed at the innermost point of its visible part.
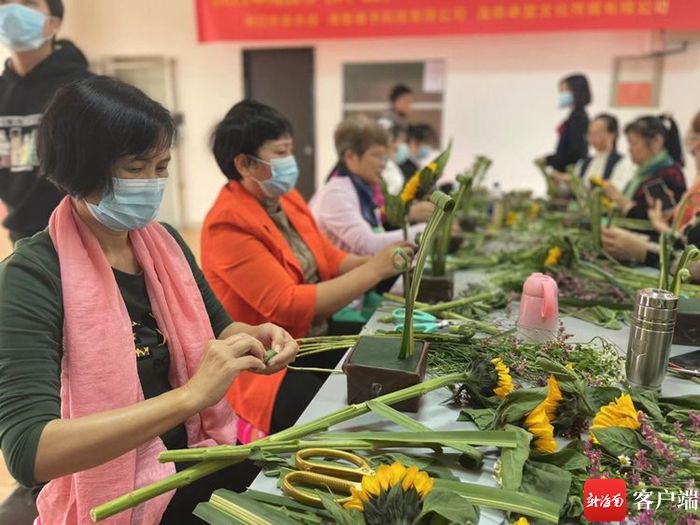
(254, 273)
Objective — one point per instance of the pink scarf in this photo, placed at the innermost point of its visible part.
(98, 369)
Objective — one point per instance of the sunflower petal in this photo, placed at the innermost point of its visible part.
(354, 503)
(383, 475)
(397, 472)
(359, 494)
(619, 413)
(423, 484)
(409, 478)
(505, 381)
(371, 486)
(538, 424)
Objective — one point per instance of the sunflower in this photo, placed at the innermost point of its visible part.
(411, 189)
(619, 413)
(534, 211)
(553, 256)
(539, 421)
(505, 382)
(607, 203)
(598, 182)
(511, 218)
(378, 495)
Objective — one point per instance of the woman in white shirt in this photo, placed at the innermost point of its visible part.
(347, 207)
(606, 164)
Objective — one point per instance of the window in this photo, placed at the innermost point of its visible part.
(367, 87)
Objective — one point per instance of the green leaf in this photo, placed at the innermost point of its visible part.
(570, 458)
(483, 418)
(210, 514)
(518, 404)
(445, 508)
(442, 160)
(401, 419)
(502, 499)
(619, 441)
(282, 501)
(340, 515)
(648, 401)
(690, 402)
(247, 510)
(513, 460)
(395, 416)
(268, 458)
(682, 416)
(573, 507)
(495, 438)
(546, 481)
(600, 396)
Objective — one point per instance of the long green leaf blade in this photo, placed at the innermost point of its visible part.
(502, 499)
(494, 438)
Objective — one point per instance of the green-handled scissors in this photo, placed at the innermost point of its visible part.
(422, 321)
(330, 475)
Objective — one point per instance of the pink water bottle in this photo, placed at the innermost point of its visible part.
(538, 319)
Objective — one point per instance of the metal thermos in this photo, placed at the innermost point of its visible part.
(651, 334)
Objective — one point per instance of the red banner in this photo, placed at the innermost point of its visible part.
(313, 19)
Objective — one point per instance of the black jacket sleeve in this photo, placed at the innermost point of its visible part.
(573, 144)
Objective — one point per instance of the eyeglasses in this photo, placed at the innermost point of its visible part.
(379, 157)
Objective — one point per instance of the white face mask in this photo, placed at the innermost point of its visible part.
(22, 28)
(566, 99)
(285, 173)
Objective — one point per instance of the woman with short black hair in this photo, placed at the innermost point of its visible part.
(574, 95)
(108, 330)
(265, 258)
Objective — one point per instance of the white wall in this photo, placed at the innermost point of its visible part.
(500, 97)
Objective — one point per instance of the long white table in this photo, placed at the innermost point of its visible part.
(332, 396)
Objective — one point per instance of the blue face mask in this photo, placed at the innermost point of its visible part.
(131, 205)
(423, 153)
(402, 154)
(285, 174)
(21, 28)
(566, 99)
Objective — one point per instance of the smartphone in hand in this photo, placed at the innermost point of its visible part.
(657, 190)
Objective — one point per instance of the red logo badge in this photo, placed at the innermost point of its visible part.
(605, 499)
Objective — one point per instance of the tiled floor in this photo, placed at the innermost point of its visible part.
(191, 236)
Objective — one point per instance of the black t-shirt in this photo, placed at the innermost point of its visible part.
(151, 348)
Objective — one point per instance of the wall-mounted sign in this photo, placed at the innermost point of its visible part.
(313, 19)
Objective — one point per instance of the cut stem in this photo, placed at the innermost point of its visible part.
(200, 470)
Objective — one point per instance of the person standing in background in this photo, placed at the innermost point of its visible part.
(421, 148)
(574, 95)
(606, 163)
(401, 99)
(38, 66)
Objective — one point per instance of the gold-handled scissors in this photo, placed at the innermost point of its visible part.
(331, 475)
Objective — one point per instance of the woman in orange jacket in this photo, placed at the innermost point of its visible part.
(266, 259)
